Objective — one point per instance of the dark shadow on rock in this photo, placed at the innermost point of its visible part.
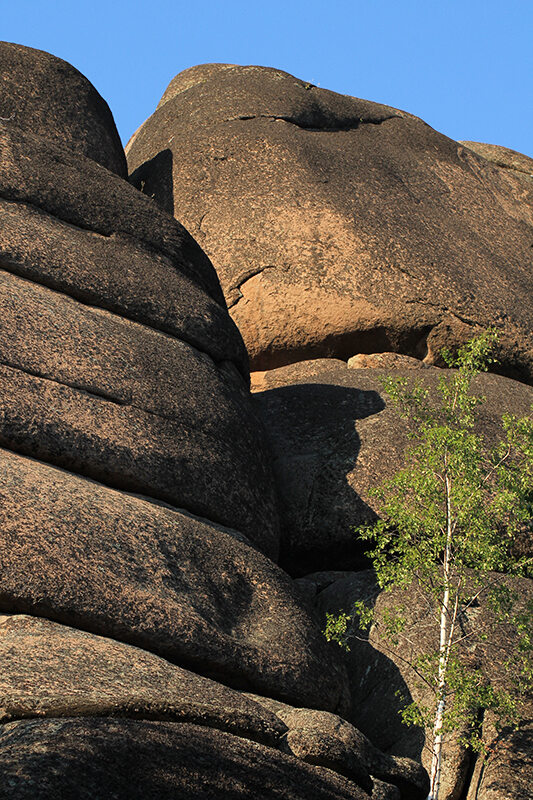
(378, 690)
(154, 178)
(313, 435)
(142, 760)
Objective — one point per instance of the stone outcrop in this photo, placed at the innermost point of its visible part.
(131, 759)
(334, 438)
(336, 225)
(502, 157)
(138, 508)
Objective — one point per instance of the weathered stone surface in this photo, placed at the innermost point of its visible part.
(382, 678)
(334, 438)
(47, 96)
(51, 670)
(385, 361)
(118, 273)
(135, 408)
(78, 759)
(502, 156)
(77, 191)
(184, 588)
(338, 225)
(325, 739)
(507, 771)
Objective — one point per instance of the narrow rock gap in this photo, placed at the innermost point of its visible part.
(472, 757)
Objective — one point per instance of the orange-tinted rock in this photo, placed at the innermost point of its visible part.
(338, 225)
(184, 588)
(334, 438)
(47, 96)
(124, 759)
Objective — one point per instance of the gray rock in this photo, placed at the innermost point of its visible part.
(51, 670)
(195, 593)
(327, 740)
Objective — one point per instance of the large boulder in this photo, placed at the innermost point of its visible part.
(51, 670)
(338, 225)
(325, 739)
(84, 555)
(335, 437)
(49, 97)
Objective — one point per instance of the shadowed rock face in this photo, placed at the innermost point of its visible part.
(335, 437)
(46, 95)
(340, 226)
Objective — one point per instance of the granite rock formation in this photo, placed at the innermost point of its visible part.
(150, 645)
(336, 225)
(139, 589)
(382, 678)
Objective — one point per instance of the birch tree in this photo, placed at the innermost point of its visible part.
(448, 522)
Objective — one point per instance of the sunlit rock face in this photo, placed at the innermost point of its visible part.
(337, 225)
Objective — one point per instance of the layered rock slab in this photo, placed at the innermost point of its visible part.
(46, 95)
(133, 759)
(51, 670)
(168, 318)
(106, 397)
(325, 739)
(184, 588)
(335, 437)
(338, 225)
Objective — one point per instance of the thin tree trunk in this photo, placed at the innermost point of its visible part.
(446, 631)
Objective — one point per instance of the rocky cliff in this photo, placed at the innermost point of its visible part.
(154, 512)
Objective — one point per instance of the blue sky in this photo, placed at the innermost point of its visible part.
(464, 66)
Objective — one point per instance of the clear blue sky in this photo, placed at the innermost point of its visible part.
(464, 66)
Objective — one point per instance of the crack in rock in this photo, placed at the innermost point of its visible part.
(351, 125)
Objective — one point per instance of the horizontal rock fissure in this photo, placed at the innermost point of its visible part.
(348, 126)
(127, 485)
(83, 389)
(25, 273)
(215, 670)
(150, 246)
(140, 712)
